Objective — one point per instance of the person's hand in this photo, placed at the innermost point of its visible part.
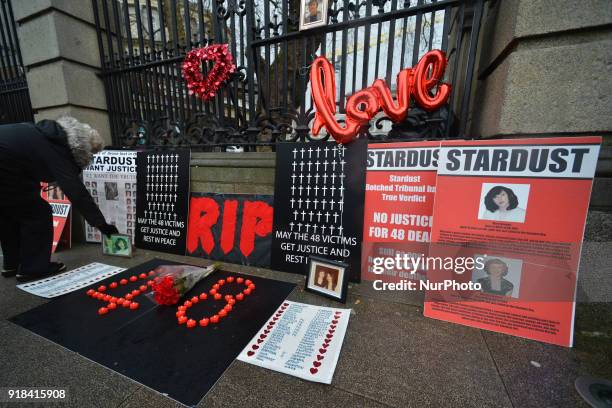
(108, 229)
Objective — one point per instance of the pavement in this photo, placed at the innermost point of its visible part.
(392, 356)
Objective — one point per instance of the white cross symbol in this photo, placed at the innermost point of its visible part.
(323, 228)
(303, 215)
(331, 202)
(340, 228)
(291, 224)
(308, 177)
(325, 165)
(309, 164)
(299, 203)
(333, 165)
(336, 217)
(317, 178)
(292, 190)
(299, 224)
(294, 153)
(315, 201)
(301, 166)
(307, 227)
(294, 164)
(327, 217)
(309, 152)
(323, 202)
(311, 214)
(301, 178)
(324, 178)
(314, 229)
(326, 150)
(332, 188)
(316, 189)
(318, 150)
(302, 152)
(293, 176)
(319, 216)
(300, 188)
(292, 202)
(333, 177)
(295, 214)
(342, 163)
(341, 202)
(331, 229)
(307, 203)
(324, 188)
(307, 189)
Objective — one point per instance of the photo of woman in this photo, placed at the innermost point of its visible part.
(501, 203)
(495, 283)
(327, 278)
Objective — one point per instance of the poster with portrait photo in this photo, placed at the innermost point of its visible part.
(499, 276)
(503, 202)
(328, 278)
(523, 202)
(111, 181)
(313, 13)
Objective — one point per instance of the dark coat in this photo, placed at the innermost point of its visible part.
(31, 154)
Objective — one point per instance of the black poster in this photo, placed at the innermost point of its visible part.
(318, 204)
(147, 344)
(163, 200)
(235, 228)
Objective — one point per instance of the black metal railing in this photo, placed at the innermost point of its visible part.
(15, 103)
(142, 45)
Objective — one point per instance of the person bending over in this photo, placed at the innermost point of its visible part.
(50, 151)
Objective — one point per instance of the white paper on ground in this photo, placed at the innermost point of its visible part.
(70, 281)
(300, 340)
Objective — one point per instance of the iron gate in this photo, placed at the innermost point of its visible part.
(15, 103)
(142, 45)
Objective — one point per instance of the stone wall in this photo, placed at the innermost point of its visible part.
(543, 70)
(244, 173)
(60, 53)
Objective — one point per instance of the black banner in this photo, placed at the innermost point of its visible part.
(318, 204)
(233, 228)
(163, 200)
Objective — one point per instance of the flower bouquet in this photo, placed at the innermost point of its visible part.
(173, 281)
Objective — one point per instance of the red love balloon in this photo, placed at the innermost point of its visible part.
(362, 106)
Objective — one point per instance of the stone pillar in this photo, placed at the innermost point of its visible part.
(544, 69)
(60, 52)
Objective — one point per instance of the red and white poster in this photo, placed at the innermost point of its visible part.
(62, 217)
(400, 189)
(518, 209)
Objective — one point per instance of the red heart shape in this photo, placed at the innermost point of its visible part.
(331, 331)
(334, 321)
(283, 307)
(274, 318)
(326, 345)
(333, 326)
(329, 336)
(313, 370)
(263, 336)
(250, 353)
(255, 346)
(316, 363)
(259, 341)
(266, 331)
(285, 304)
(326, 340)
(322, 350)
(206, 88)
(320, 357)
(269, 327)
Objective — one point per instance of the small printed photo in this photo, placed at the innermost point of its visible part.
(313, 13)
(87, 184)
(128, 186)
(94, 192)
(117, 244)
(94, 184)
(111, 192)
(129, 201)
(327, 278)
(503, 202)
(134, 186)
(128, 193)
(56, 193)
(129, 216)
(95, 199)
(129, 232)
(129, 224)
(499, 276)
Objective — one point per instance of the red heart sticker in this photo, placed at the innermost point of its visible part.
(322, 350)
(313, 371)
(329, 336)
(274, 318)
(326, 345)
(285, 304)
(259, 341)
(316, 363)
(266, 331)
(326, 340)
(334, 321)
(333, 326)
(250, 353)
(331, 331)
(255, 346)
(320, 357)
(263, 336)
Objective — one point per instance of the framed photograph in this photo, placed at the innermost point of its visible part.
(117, 245)
(313, 13)
(327, 278)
